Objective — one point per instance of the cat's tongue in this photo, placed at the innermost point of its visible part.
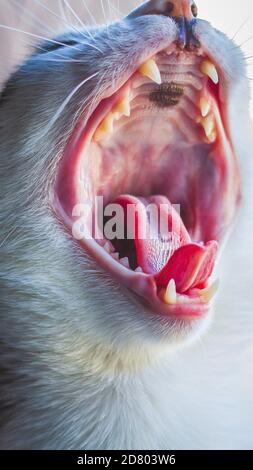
(163, 245)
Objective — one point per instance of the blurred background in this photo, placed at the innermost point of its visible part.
(22, 20)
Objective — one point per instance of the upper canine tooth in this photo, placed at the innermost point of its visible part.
(205, 106)
(209, 69)
(150, 69)
(207, 294)
(106, 127)
(170, 296)
(208, 125)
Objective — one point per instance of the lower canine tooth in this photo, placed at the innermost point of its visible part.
(208, 125)
(124, 262)
(205, 106)
(213, 136)
(150, 69)
(170, 296)
(209, 69)
(207, 294)
(106, 127)
(115, 256)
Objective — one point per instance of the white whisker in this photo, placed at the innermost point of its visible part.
(116, 9)
(246, 41)
(77, 18)
(17, 30)
(89, 12)
(100, 91)
(64, 20)
(65, 103)
(71, 26)
(70, 61)
(103, 10)
(63, 14)
(110, 11)
(241, 27)
(33, 17)
(46, 8)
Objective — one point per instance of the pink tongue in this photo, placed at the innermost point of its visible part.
(165, 249)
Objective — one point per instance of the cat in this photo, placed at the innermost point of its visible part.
(84, 363)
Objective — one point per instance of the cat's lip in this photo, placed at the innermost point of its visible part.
(70, 194)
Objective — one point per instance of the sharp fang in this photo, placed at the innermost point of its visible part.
(205, 106)
(208, 125)
(212, 138)
(107, 247)
(115, 256)
(124, 262)
(106, 127)
(209, 69)
(170, 296)
(139, 270)
(150, 69)
(122, 108)
(207, 294)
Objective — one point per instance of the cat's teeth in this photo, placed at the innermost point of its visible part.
(124, 262)
(105, 128)
(170, 296)
(209, 127)
(207, 294)
(115, 256)
(139, 270)
(209, 69)
(107, 247)
(122, 108)
(213, 136)
(150, 69)
(205, 106)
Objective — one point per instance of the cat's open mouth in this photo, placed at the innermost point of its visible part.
(162, 138)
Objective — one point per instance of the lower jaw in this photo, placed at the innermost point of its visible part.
(71, 195)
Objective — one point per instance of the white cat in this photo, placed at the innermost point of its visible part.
(85, 363)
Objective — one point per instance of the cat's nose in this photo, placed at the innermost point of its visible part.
(182, 11)
(181, 8)
(186, 9)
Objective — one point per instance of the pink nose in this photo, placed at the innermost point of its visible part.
(174, 8)
(186, 8)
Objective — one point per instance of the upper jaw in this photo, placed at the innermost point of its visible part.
(113, 106)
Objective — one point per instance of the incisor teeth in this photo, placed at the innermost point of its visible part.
(139, 270)
(107, 247)
(207, 294)
(150, 69)
(209, 69)
(205, 106)
(124, 262)
(208, 125)
(170, 296)
(106, 127)
(122, 108)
